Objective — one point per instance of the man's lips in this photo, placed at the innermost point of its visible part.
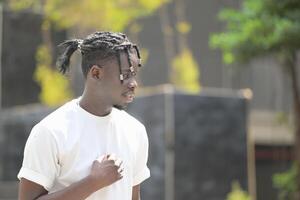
(129, 96)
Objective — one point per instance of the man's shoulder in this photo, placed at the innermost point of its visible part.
(59, 116)
(129, 119)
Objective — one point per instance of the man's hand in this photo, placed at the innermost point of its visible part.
(105, 171)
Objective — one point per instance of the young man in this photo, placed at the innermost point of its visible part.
(89, 148)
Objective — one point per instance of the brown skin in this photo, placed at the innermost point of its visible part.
(103, 90)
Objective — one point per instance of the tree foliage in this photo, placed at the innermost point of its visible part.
(185, 73)
(260, 27)
(237, 193)
(286, 183)
(112, 15)
(55, 87)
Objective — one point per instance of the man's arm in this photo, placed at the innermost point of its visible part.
(36, 190)
(29, 190)
(136, 192)
(103, 173)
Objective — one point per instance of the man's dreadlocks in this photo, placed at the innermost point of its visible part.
(97, 47)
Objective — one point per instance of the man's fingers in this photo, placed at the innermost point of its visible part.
(120, 170)
(112, 156)
(112, 159)
(102, 158)
(118, 162)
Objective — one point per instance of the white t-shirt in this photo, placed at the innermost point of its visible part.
(62, 147)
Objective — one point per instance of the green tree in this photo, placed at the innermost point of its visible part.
(81, 17)
(286, 183)
(265, 27)
(237, 193)
(90, 14)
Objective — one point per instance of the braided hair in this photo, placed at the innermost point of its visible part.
(99, 46)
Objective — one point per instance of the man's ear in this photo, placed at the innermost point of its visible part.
(96, 72)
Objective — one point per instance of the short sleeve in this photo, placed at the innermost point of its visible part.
(40, 162)
(141, 170)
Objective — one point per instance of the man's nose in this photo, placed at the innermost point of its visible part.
(132, 84)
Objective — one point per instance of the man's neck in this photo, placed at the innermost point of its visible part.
(93, 106)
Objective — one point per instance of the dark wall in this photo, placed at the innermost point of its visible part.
(17, 124)
(210, 146)
(198, 145)
(21, 37)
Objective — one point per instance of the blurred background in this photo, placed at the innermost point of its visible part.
(219, 91)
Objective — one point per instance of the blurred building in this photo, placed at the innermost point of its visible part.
(271, 105)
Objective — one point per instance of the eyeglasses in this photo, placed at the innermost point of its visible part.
(127, 75)
(131, 68)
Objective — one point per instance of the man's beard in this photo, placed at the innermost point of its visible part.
(120, 107)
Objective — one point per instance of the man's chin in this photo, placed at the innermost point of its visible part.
(120, 107)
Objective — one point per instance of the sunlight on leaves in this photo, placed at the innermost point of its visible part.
(185, 72)
(237, 193)
(55, 88)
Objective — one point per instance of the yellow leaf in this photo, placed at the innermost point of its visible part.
(54, 86)
(183, 27)
(185, 72)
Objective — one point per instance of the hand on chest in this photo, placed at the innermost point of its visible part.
(80, 151)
